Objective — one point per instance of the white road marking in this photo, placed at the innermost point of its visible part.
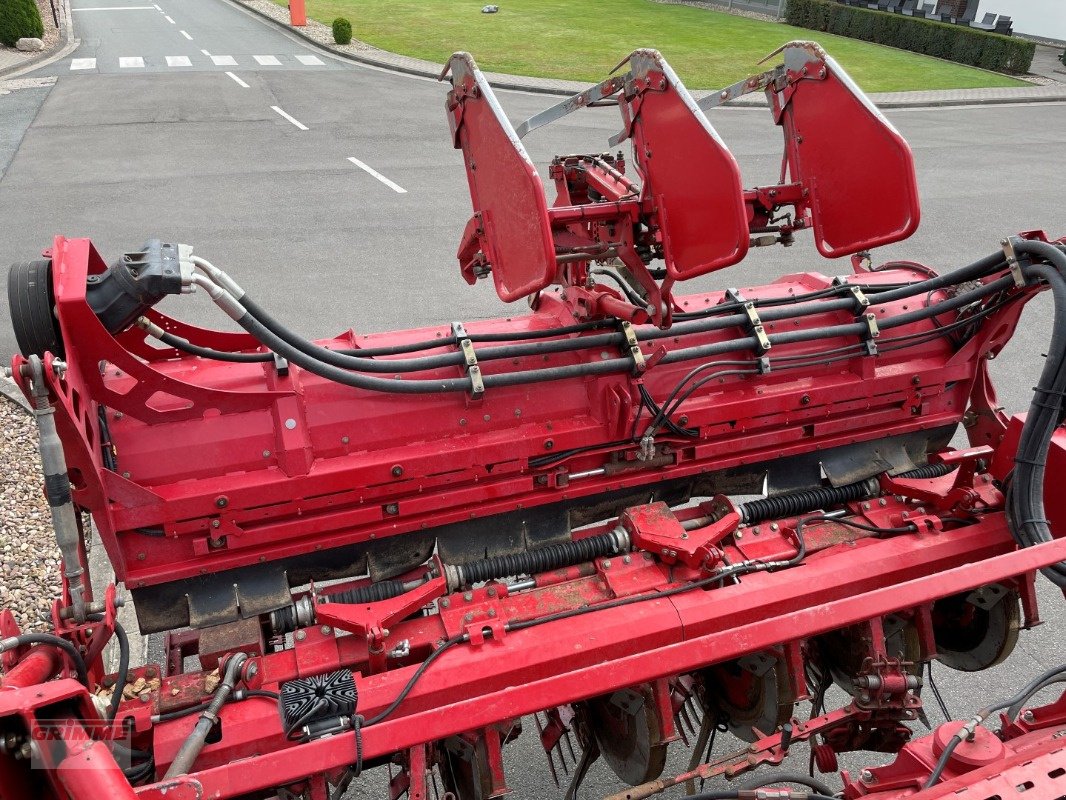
(239, 81)
(83, 63)
(309, 61)
(394, 186)
(128, 62)
(178, 61)
(168, 19)
(157, 8)
(293, 120)
(224, 61)
(116, 8)
(183, 33)
(206, 53)
(267, 61)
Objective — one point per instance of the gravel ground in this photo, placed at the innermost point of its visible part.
(29, 558)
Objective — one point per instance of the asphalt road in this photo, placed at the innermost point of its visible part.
(249, 162)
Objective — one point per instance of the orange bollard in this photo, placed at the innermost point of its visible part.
(297, 13)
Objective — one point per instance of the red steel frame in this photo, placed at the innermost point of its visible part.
(245, 464)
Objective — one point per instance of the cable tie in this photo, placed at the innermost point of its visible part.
(1034, 521)
(1030, 462)
(1049, 391)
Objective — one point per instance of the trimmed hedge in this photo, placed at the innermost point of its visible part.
(19, 19)
(342, 31)
(959, 43)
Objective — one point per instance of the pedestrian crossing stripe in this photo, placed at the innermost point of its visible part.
(138, 62)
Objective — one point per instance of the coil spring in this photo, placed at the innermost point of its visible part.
(382, 590)
(928, 471)
(802, 501)
(544, 559)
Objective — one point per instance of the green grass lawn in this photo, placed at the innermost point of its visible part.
(583, 39)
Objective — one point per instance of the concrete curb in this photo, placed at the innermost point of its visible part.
(68, 44)
(537, 85)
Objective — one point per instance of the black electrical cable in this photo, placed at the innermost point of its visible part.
(936, 692)
(239, 695)
(178, 343)
(64, 645)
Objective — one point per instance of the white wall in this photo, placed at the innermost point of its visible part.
(1035, 17)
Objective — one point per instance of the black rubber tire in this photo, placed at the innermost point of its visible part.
(31, 302)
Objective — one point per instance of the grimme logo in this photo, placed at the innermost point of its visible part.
(68, 740)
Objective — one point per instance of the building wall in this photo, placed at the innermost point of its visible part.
(1036, 17)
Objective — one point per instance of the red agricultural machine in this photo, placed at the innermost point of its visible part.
(629, 517)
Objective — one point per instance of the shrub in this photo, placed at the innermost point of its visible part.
(342, 31)
(19, 19)
(958, 43)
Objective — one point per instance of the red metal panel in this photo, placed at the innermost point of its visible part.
(508, 195)
(688, 172)
(858, 170)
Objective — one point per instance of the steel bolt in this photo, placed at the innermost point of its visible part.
(145, 697)
(866, 506)
(397, 471)
(492, 612)
(266, 454)
(740, 534)
(326, 630)
(253, 669)
(215, 523)
(345, 440)
(866, 776)
(468, 617)
(300, 636)
(627, 560)
(606, 563)
(756, 530)
(468, 596)
(774, 526)
(1028, 716)
(491, 591)
(882, 502)
(445, 603)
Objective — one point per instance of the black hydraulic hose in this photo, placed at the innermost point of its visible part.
(50, 640)
(798, 778)
(362, 363)
(186, 346)
(423, 386)
(1025, 497)
(742, 794)
(543, 559)
(123, 670)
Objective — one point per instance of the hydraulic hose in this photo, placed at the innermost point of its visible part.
(342, 360)
(196, 739)
(1025, 497)
(50, 640)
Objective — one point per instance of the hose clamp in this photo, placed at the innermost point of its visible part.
(754, 322)
(1012, 262)
(872, 332)
(632, 347)
(473, 369)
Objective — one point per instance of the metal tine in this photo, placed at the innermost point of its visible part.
(695, 711)
(683, 724)
(570, 746)
(548, 753)
(562, 756)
